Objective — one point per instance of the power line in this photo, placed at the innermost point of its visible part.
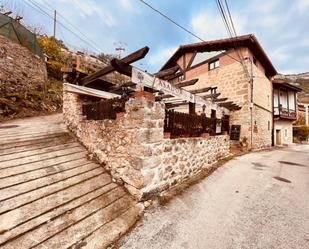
(51, 8)
(231, 32)
(61, 24)
(250, 76)
(35, 6)
(179, 25)
(171, 20)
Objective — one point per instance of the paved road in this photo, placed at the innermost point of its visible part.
(259, 200)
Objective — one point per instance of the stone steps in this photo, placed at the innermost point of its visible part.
(52, 196)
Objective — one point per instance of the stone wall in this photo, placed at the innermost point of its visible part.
(134, 149)
(174, 160)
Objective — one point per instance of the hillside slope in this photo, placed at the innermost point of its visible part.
(301, 81)
(24, 87)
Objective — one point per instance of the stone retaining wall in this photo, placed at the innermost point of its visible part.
(134, 149)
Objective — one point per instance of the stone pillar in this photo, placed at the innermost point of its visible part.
(72, 109)
(144, 126)
(123, 145)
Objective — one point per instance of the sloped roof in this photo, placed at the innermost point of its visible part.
(249, 41)
(299, 80)
(279, 82)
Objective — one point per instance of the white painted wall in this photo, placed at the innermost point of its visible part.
(286, 128)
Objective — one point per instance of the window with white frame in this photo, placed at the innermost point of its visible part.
(214, 64)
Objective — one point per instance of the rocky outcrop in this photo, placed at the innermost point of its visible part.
(24, 85)
(300, 80)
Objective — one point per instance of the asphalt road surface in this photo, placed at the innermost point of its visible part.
(259, 200)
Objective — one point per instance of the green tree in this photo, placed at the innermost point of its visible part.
(106, 57)
(303, 132)
(52, 48)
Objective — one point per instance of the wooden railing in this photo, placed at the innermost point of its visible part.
(103, 109)
(284, 112)
(182, 124)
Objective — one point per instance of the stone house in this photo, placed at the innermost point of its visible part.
(242, 72)
(285, 111)
(300, 81)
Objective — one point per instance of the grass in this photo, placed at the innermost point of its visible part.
(33, 102)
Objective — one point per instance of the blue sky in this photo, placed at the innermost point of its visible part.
(281, 26)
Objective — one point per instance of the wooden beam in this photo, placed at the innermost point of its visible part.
(213, 96)
(126, 84)
(168, 106)
(191, 60)
(226, 103)
(220, 100)
(121, 67)
(144, 79)
(191, 108)
(166, 96)
(202, 90)
(137, 55)
(173, 76)
(233, 108)
(229, 103)
(186, 83)
(89, 91)
(166, 72)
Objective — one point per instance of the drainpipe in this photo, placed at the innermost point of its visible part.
(272, 114)
(306, 115)
(251, 102)
(306, 118)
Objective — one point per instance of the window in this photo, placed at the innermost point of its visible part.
(285, 132)
(269, 125)
(214, 64)
(181, 78)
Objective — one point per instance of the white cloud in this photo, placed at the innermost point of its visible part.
(161, 56)
(209, 26)
(95, 10)
(280, 54)
(302, 5)
(264, 7)
(127, 4)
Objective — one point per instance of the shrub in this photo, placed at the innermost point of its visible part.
(302, 132)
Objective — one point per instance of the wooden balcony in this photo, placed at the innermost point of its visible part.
(284, 113)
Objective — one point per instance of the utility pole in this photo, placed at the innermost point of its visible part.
(55, 21)
(120, 47)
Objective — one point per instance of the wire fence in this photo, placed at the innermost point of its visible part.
(16, 32)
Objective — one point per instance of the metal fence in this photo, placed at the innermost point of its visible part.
(16, 32)
(183, 124)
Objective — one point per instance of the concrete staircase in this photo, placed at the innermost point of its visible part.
(51, 195)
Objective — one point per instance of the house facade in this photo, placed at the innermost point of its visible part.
(240, 71)
(285, 111)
